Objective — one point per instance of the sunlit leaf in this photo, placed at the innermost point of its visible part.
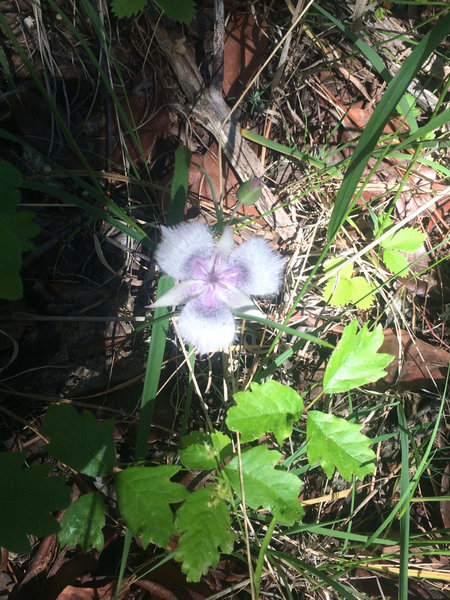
(333, 442)
(344, 289)
(270, 407)
(203, 522)
(395, 261)
(83, 522)
(267, 487)
(204, 450)
(144, 495)
(407, 239)
(27, 499)
(355, 360)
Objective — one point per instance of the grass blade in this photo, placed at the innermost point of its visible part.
(404, 520)
(381, 114)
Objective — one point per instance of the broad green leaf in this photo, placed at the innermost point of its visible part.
(179, 186)
(265, 486)
(11, 287)
(144, 495)
(27, 499)
(395, 261)
(22, 225)
(175, 214)
(409, 107)
(83, 523)
(340, 290)
(127, 8)
(204, 450)
(182, 11)
(270, 407)
(10, 179)
(355, 360)
(203, 522)
(333, 442)
(79, 441)
(407, 239)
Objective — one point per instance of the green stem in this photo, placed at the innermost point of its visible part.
(262, 553)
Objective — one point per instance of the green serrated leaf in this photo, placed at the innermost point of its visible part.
(79, 441)
(204, 522)
(361, 292)
(204, 450)
(127, 8)
(344, 289)
(270, 407)
(265, 486)
(182, 11)
(381, 223)
(337, 291)
(407, 239)
(355, 360)
(83, 523)
(395, 261)
(27, 499)
(144, 495)
(333, 442)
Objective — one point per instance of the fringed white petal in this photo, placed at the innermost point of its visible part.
(207, 329)
(180, 293)
(261, 267)
(181, 245)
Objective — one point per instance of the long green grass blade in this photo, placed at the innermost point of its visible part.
(371, 134)
(374, 59)
(94, 211)
(404, 520)
(434, 123)
(284, 329)
(286, 150)
(159, 329)
(408, 493)
(302, 566)
(179, 187)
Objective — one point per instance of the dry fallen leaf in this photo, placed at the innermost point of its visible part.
(418, 364)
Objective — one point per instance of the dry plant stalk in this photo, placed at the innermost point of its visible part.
(210, 110)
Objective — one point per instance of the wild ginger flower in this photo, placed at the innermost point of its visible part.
(214, 279)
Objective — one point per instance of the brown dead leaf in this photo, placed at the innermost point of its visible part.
(445, 491)
(245, 42)
(145, 108)
(417, 365)
(105, 592)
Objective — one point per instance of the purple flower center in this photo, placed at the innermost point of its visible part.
(216, 276)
